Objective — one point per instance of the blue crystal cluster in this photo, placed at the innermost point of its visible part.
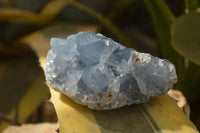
(100, 73)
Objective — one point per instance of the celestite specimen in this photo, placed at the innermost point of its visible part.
(100, 73)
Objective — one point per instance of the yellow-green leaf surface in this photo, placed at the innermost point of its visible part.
(186, 36)
(160, 114)
(19, 87)
(48, 12)
(33, 128)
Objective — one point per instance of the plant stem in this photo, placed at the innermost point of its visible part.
(120, 35)
(123, 5)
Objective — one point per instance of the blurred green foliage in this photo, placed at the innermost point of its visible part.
(153, 26)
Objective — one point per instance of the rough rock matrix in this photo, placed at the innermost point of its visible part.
(100, 73)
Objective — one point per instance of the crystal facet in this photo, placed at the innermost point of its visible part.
(100, 73)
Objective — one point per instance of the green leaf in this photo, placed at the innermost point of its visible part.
(191, 5)
(160, 114)
(186, 36)
(192, 74)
